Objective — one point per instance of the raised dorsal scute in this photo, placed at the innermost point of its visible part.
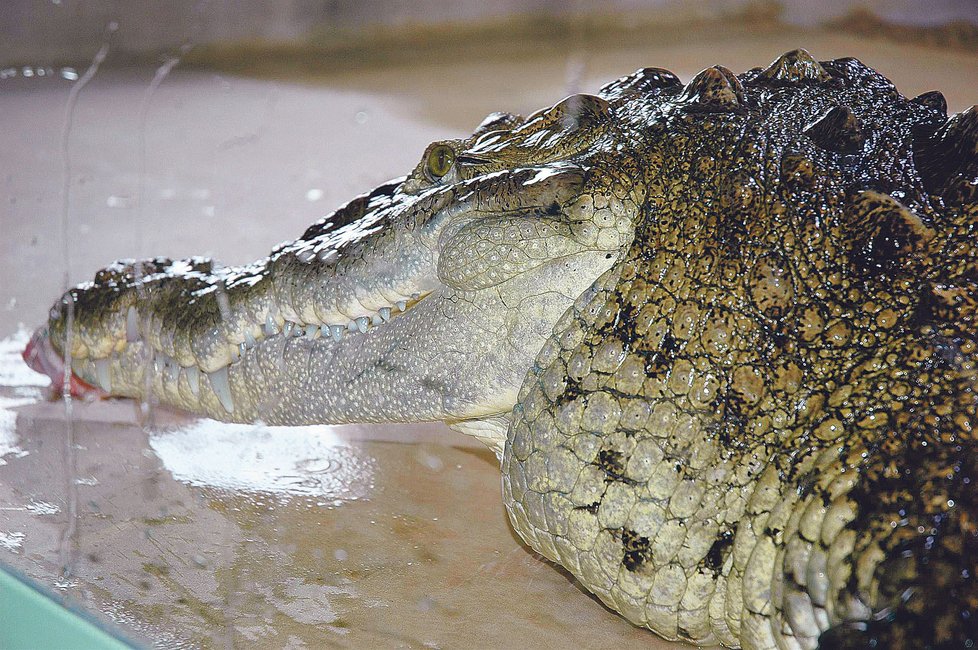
(641, 81)
(836, 129)
(714, 90)
(498, 121)
(885, 234)
(794, 67)
(933, 100)
(947, 160)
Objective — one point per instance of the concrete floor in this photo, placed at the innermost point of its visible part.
(193, 534)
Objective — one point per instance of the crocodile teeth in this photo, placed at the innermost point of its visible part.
(193, 379)
(337, 332)
(271, 327)
(249, 341)
(221, 388)
(312, 331)
(362, 324)
(102, 374)
(172, 371)
(401, 305)
(376, 319)
(287, 329)
(385, 314)
(132, 325)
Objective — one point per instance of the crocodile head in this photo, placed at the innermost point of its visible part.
(425, 299)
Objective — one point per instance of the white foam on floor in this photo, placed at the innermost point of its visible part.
(15, 374)
(285, 461)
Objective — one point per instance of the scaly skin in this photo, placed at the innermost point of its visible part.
(722, 336)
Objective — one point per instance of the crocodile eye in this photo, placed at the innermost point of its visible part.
(440, 161)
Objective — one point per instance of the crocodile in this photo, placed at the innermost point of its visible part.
(721, 335)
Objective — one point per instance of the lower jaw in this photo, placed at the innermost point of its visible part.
(403, 370)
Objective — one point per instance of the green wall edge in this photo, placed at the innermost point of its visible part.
(33, 620)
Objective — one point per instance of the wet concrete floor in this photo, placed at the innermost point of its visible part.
(190, 533)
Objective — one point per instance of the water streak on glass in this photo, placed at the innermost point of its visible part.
(67, 545)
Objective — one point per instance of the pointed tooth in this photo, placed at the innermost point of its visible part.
(249, 341)
(376, 320)
(85, 368)
(312, 331)
(337, 332)
(362, 324)
(193, 379)
(385, 313)
(271, 327)
(401, 305)
(287, 330)
(103, 375)
(173, 370)
(324, 330)
(132, 325)
(352, 326)
(415, 296)
(221, 388)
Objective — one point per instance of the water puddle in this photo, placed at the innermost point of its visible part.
(310, 462)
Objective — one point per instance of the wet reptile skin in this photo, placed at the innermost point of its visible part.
(749, 417)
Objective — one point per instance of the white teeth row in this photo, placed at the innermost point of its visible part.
(169, 370)
(328, 330)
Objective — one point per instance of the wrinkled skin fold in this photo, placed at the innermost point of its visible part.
(721, 335)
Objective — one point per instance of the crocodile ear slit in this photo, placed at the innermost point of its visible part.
(947, 160)
(794, 67)
(836, 129)
(714, 90)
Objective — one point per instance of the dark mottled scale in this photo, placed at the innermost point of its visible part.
(637, 550)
